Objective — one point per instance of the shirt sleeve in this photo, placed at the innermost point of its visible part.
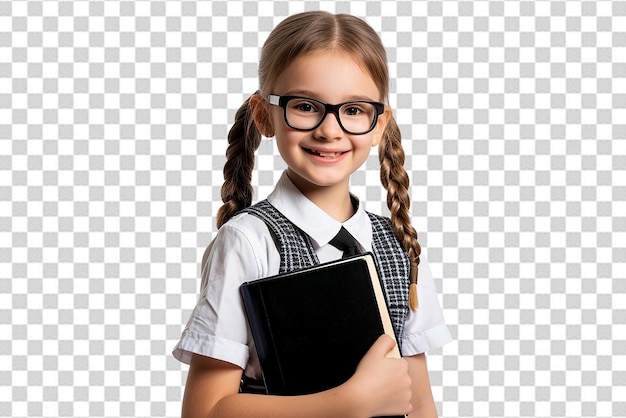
(425, 329)
(217, 327)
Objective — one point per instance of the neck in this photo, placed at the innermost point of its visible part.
(334, 200)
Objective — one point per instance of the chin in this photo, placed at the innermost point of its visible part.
(317, 182)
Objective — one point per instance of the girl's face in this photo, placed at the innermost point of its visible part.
(326, 156)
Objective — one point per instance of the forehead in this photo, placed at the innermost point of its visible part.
(330, 76)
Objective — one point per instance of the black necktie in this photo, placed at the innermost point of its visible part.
(345, 242)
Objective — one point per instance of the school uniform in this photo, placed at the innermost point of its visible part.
(245, 248)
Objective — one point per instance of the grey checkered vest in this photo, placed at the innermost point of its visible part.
(297, 252)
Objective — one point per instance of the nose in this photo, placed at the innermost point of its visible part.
(330, 127)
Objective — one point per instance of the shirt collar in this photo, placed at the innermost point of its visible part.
(310, 218)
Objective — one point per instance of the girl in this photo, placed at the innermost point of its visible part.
(323, 93)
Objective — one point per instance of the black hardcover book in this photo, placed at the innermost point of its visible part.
(312, 327)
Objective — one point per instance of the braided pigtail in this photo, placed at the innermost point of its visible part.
(395, 180)
(243, 140)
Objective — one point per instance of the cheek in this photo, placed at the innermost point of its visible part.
(366, 145)
(285, 136)
(287, 140)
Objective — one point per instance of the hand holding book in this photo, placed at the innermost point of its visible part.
(382, 380)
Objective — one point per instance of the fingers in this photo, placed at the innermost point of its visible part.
(382, 346)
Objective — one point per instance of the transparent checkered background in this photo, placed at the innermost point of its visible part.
(113, 118)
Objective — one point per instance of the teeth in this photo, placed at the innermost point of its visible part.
(327, 154)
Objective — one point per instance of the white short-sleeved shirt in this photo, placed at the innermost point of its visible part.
(244, 250)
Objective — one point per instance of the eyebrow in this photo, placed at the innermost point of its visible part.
(312, 95)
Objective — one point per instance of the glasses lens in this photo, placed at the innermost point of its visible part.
(356, 117)
(304, 113)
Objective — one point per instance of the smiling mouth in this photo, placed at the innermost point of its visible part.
(325, 154)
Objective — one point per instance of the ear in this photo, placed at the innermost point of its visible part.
(383, 119)
(261, 115)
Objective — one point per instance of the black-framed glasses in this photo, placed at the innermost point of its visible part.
(356, 117)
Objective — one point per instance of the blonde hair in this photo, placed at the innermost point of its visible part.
(294, 37)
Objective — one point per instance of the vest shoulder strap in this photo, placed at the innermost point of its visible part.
(294, 245)
(394, 265)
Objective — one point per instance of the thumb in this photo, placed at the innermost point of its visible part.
(381, 346)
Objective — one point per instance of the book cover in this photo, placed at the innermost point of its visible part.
(312, 327)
